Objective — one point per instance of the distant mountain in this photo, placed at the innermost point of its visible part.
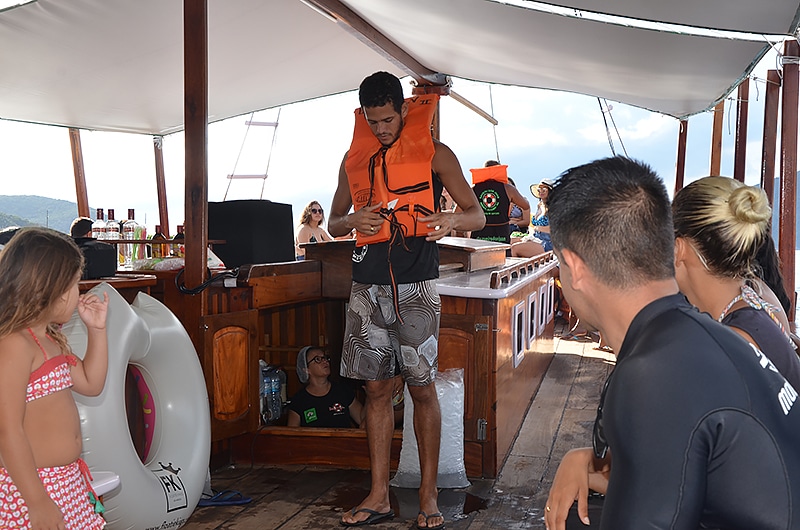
(25, 210)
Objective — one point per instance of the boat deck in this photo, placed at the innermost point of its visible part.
(560, 417)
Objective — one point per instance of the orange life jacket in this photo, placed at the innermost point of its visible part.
(402, 171)
(482, 174)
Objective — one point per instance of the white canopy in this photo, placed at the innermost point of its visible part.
(117, 65)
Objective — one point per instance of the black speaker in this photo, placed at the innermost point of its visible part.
(254, 231)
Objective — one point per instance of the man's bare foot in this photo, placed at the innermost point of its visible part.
(430, 520)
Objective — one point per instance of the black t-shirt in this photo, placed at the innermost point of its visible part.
(330, 410)
(495, 204)
(702, 428)
(769, 339)
(412, 259)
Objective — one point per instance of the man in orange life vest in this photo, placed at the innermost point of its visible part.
(393, 175)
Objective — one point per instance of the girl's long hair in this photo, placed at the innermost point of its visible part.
(37, 267)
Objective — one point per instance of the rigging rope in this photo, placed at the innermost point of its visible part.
(271, 148)
(494, 126)
(608, 132)
(241, 147)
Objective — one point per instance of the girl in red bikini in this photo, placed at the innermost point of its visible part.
(44, 485)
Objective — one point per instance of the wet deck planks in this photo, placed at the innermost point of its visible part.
(560, 417)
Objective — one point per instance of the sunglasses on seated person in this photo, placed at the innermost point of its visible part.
(316, 210)
(320, 358)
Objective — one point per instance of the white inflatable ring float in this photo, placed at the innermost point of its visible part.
(163, 491)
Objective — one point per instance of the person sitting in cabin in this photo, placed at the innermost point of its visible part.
(81, 228)
(720, 225)
(519, 217)
(310, 229)
(495, 195)
(538, 239)
(322, 402)
(690, 407)
(6, 234)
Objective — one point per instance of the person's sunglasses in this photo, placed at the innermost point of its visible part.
(320, 358)
(316, 210)
(599, 442)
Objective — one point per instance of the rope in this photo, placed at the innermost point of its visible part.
(271, 149)
(241, 147)
(615, 128)
(608, 132)
(494, 127)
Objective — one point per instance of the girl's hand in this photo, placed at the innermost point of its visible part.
(46, 517)
(93, 311)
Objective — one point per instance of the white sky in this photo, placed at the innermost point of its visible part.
(540, 134)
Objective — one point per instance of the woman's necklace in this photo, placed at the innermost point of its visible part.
(751, 298)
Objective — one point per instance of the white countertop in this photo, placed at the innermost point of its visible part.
(476, 284)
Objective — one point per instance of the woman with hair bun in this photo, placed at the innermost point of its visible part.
(720, 225)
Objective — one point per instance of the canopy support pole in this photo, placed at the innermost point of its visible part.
(788, 207)
(769, 143)
(195, 37)
(742, 107)
(161, 187)
(680, 163)
(716, 139)
(80, 174)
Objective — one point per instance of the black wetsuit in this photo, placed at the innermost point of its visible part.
(703, 430)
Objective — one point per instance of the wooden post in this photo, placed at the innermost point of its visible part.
(769, 143)
(716, 139)
(161, 187)
(680, 165)
(788, 208)
(740, 154)
(195, 37)
(80, 173)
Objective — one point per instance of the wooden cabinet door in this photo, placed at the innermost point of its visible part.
(465, 342)
(230, 365)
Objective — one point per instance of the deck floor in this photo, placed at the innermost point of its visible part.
(560, 418)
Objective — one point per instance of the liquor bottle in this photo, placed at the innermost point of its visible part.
(178, 245)
(99, 226)
(112, 226)
(129, 232)
(158, 250)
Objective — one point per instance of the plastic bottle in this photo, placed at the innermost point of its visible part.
(129, 232)
(99, 226)
(276, 405)
(263, 381)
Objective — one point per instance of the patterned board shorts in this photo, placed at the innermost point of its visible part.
(66, 485)
(377, 346)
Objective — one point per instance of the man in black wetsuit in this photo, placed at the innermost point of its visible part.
(702, 429)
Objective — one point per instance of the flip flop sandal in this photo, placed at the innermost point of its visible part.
(427, 521)
(225, 498)
(374, 517)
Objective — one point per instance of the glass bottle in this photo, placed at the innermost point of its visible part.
(129, 232)
(112, 226)
(178, 246)
(158, 250)
(99, 226)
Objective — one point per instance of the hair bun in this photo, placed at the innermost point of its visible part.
(750, 204)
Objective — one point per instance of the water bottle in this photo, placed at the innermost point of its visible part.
(263, 380)
(275, 403)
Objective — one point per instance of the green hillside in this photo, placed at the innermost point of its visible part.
(24, 210)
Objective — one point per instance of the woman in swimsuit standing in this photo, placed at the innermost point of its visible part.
(43, 482)
(310, 229)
